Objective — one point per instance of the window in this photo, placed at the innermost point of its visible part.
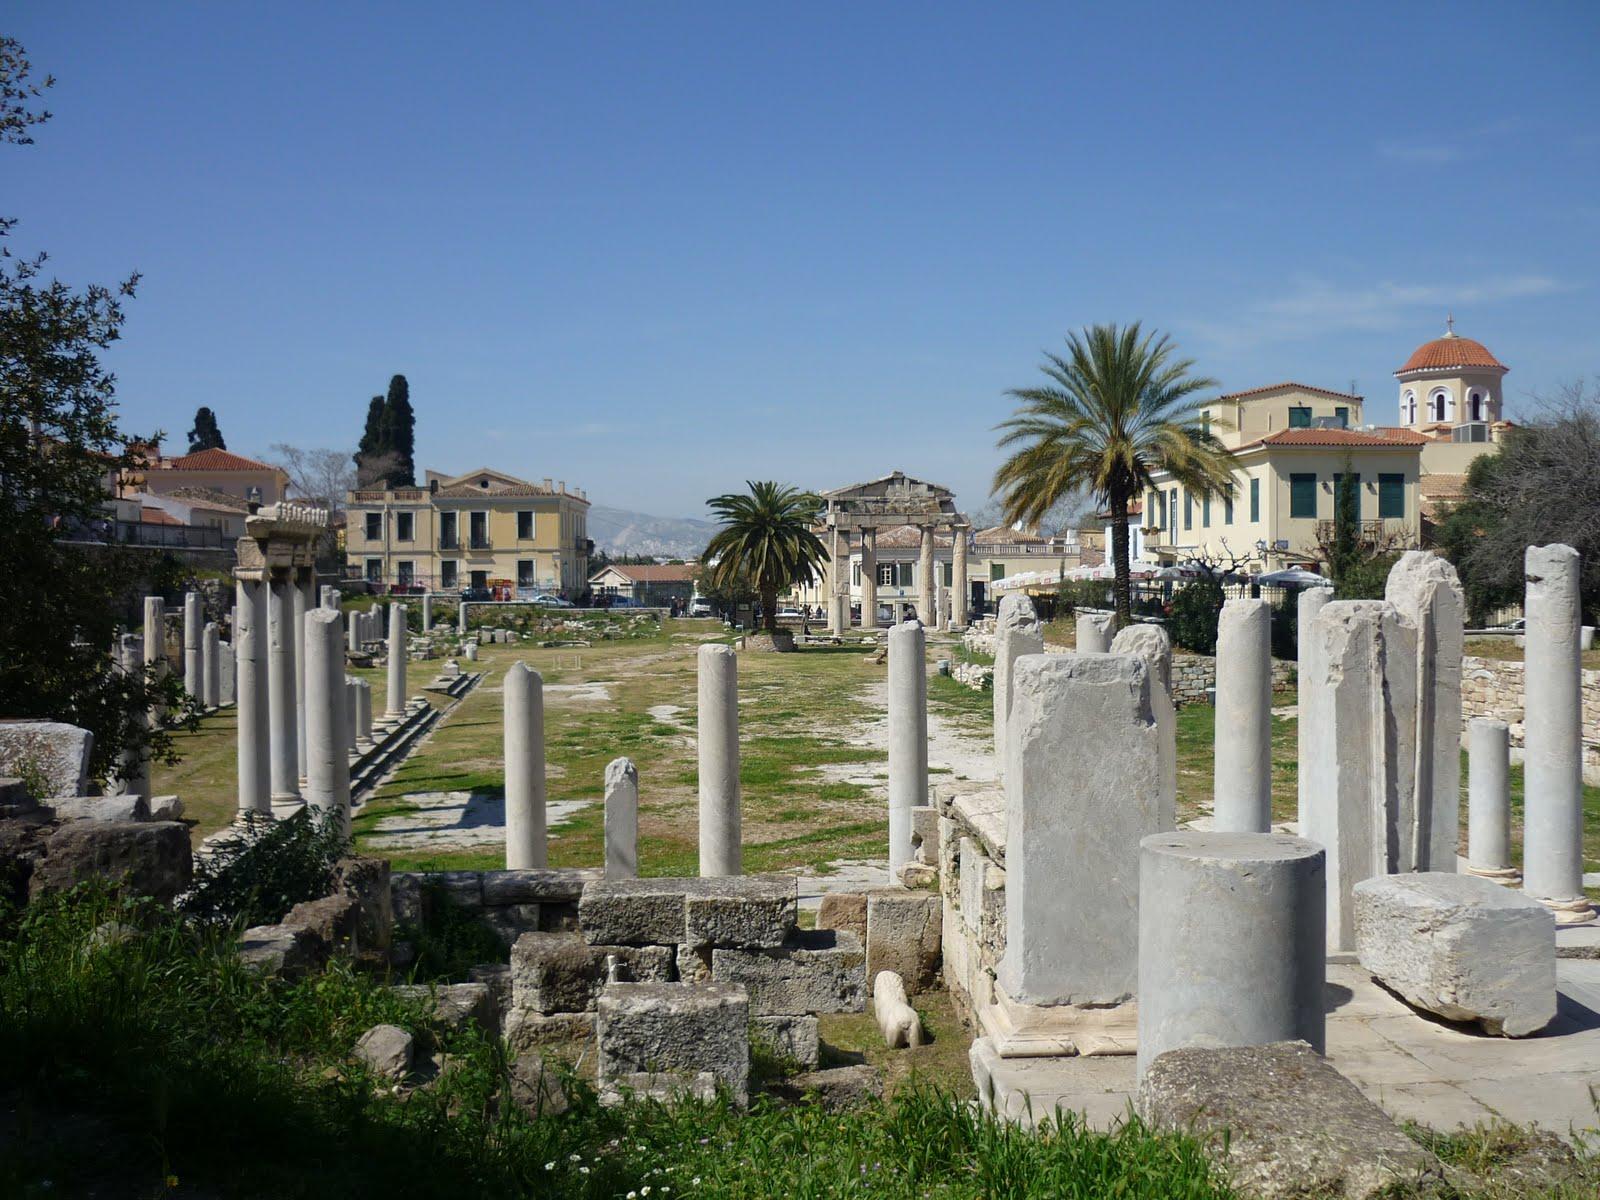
(478, 525)
(524, 570)
(374, 526)
(1440, 403)
(1303, 496)
(1299, 418)
(1408, 408)
(1392, 497)
(1355, 496)
(1227, 507)
(1172, 510)
(374, 570)
(1477, 406)
(1158, 505)
(479, 579)
(997, 570)
(524, 527)
(405, 573)
(1341, 414)
(949, 574)
(1255, 500)
(1205, 511)
(886, 574)
(447, 532)
(447, 574)
(405, 527)
(1188, 510)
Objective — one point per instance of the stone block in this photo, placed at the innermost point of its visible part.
(386, 1050)
(1283, 1121)
(536, 1087)
(147, 858)
(405, 897)
(904, 931)
(53, 753)
(334, 921)
(367, 882)
(464, 889)
(165, 808)
(1460, 946)
(846, 911)
(650, 1028)
(541, 885)
(925, 835)
(524, 1028)
(792, 1037)
(694, 964)
(280, 950)
(819, 971)
(557, 972)
(633, 912)
(836, 1089)
(454, 1006)
(99, 808)
(663, 1087)
(741, 911)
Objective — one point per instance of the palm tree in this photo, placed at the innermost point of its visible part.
(765, 537)
(1119, 407)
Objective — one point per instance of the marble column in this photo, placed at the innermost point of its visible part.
(304, 601)
(1307, 606)
(352, 714)
(132, 774)
(329, 597)
(622, 819)
(427, 611)
(524, 756)
(327, 760)
(396, 707)
(154, 646)
(717, 750)
(960, 588)
(363, 714)
(211, 665)
(251, 694)
(908, 737)
(869, 578)
(925, 610)
(1552, 740)
(1242, 753)
(193, 636)
(281, 692)
(833, 585)
(1489, 800)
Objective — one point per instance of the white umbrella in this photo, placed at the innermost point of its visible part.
(1294, 577)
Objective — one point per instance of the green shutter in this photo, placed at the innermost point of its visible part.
(1188, 509)
(1303, 496)
(1392, 497)
(1205, 512)
(1255, 500)
(1227, 507)
(1299, 418)
(997, 570)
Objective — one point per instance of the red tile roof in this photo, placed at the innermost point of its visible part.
(157, 516)
(655, 572)
(1005, 535)
(1299, 387)
(1383, 435)
(1451, 351)
(214, 460)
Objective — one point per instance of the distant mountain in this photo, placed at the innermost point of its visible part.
(618, 531)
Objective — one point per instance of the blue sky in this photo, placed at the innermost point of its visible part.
(659, 249)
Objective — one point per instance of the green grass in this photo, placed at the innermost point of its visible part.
(1197, 759)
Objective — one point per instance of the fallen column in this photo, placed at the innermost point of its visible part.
(1552, 739)
(622, 819)
(396, 707)
(524, 754)
(717, 750)
(327, 763)
(908, 737)
(1230, 941)
(1242, 783)
(1489, 800)
(1016, 632)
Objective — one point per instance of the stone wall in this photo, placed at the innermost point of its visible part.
(1492, 687)
(972, 892)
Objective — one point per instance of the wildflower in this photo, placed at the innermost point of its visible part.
(583, 1170)
(574, 1158)
(645, 1191)
(549, 1166)
(633, 1196)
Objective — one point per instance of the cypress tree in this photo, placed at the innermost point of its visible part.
(369, 451)
(401, 426)
(205, 435)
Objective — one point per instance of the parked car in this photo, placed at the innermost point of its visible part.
(788, 613)
(554, 601)
(477, 595)
(699, 606)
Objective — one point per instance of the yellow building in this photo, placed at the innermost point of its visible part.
(484, 529)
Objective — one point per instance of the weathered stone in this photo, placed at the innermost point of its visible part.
(904, 930)
(405, 897)
(694, 964)
(454, 1006)
(497, 978)
(741, 911)
(633, 912)
(675, 1027)
(386, 1050)
(897, 1020)
(525, 1028)
(820, 971)
(511, 921)
(836, 1089)
(165, 808)
(1017, 632)
(925, 835)
(52, 753)
(99, 808)
(147, 858)
(554, 972)
(845, 911)
(545, 885)
(334, 921)
(792, 1037)
(280, 950)
(367, 882)
(536, 1087)
(663, 1087)
(464, 889)
(1284, 1121)
(1462, 947)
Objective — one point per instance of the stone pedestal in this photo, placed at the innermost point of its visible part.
(251, 695)
(1552, 847)
(1489, 800)
(524, 755)
(1307, 605)
(718, 757)
(396, 706)
(1230, 941)
(327, 731)
(908, 736)
(1016, 632)
(1242, 786)
(622, 819)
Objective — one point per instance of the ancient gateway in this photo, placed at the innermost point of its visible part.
(853, 519)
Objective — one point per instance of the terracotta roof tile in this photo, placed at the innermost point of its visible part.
(653, 572)
(215, 460)
(1005, 535)
(1299, 387)
(1383, 435)
(157, 516)
(1450, 351)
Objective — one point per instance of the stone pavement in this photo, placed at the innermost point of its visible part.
(1417, 1068)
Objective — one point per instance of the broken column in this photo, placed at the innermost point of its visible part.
(869, 577)
(1489, 800)
(1016, 632)
(396, 708)
(1242, 785)
(1307, 606)
(1230, 941)
(193, 637)
(363, 714)
(1073, 824)
(427, 611)
(1154, 646)
(303, 602)
(717, 748)
(352, 714)
(1552, 738)
(960, 589)
(622, 819)
(327, 762)
(1093, 633)
(908, 736)
(251, 695)
(925, 609)
(281, 689)
(132, 775)
(833, 585)
(524, 752)
(1427, 591)
(211, 665)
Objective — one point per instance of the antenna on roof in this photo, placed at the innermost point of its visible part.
(1353, 391)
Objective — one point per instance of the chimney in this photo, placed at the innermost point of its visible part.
(561, 485)
(547, 484)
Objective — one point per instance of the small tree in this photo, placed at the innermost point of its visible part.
(400, 433)
(765, 537)
(370, 459)
(205, 435)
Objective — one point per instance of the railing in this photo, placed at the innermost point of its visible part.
(148, 533)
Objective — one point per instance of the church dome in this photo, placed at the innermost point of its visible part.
(1452, 352)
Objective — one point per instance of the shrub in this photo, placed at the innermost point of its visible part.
(257, 874)
(1196, 607)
